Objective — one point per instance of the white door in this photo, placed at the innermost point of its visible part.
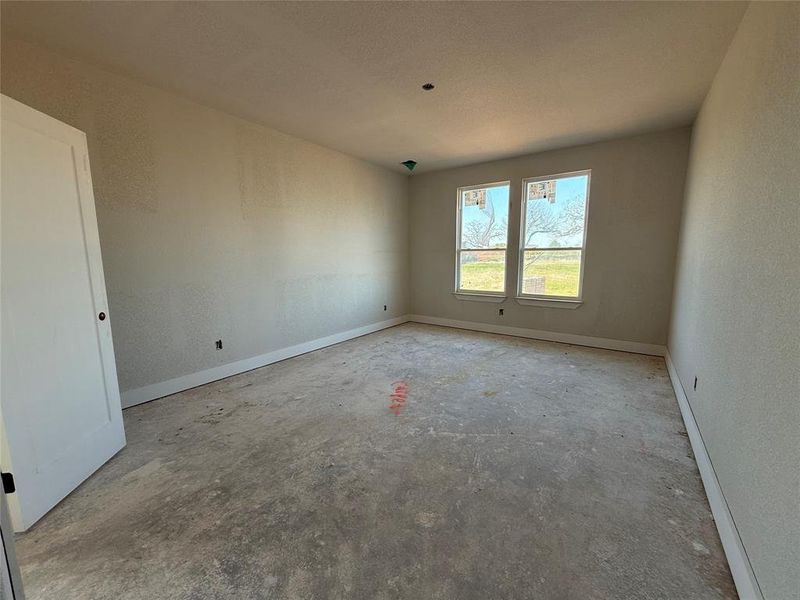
(58, 381)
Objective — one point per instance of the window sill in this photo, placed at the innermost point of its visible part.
(550, 303)
(476, 297)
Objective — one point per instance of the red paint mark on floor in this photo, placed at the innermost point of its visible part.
(398, 397)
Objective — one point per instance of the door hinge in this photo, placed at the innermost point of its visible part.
(8, 483)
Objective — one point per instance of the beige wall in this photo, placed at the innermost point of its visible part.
(634, 214)
(736, 324)
(215, 227)
(212, 227)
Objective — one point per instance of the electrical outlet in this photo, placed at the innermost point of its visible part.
(218, 344)
(384, 307)
(500, 311)
(695, 383)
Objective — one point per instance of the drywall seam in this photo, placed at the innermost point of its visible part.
(743, 576)
(547, 336)
(185, 382)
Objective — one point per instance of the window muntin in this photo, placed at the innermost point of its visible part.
(482, 238)
(553, 236)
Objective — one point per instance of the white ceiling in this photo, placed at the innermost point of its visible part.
(510, 77)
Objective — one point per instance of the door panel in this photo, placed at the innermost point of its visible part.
(60, 400)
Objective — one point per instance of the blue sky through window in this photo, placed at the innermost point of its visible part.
(488, 224)
(560, 223)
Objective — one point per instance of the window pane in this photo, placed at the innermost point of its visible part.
(551, 273)
(555, 212)
(484, 217)
(483, 271)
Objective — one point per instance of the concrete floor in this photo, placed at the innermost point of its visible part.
(514, 469)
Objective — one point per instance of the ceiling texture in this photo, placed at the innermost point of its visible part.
(511, 77)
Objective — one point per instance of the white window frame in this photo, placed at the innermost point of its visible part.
(488, 296)
(544, 299)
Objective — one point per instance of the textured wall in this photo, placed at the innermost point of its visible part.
(212, 227)
(634, 215)
(735, 320)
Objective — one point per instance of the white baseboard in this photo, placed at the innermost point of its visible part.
(739, 563)
(548, 336)
(185, 382)
(173, 386)
(743, 576)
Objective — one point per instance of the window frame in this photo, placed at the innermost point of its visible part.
(544, 299)
(476, 294)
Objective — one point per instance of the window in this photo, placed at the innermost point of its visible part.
(553, 236)
(482, 238)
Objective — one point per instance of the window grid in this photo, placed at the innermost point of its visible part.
(460, 250)
(524, 247)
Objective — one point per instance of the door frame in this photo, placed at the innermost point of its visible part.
(10, 578)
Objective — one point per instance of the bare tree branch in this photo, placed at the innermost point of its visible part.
(484, 233)
(541, 221)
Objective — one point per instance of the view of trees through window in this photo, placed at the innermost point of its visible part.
(483, 238)
(553, 236)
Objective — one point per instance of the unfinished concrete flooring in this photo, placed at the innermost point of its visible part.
(513, 469)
